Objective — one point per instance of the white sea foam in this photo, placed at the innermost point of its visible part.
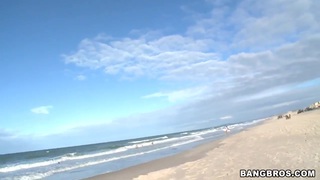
(162, 140)
(244, 124)
(204, 132)
(198, 138)
(148, 140)
(168, 140)
(134, 142)
(65, 158)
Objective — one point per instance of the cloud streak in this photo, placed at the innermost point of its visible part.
(179, 95)
(225, 117)
(41, 109)
(81, 77)
(157, 58)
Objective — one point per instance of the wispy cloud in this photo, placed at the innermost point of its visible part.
(179, 95)
(232, 41)
(41, 109)
(155, 95)
(81, 77)
(254, 49)
(284, 104)
(265, 93)
(280, 105)
(249, 25)
(164, 57)
(245, 56)
(225, 117)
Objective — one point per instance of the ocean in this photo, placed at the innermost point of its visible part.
(85, 161)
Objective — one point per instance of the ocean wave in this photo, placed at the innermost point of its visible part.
(148, 140)
(184, 133)
(175, 141)
(27, 166)
(205, 132)
(135, 142)
(73, 156)
(91, 163)
(244, 124)
(66, 157)
(198, 138)
(160, 140)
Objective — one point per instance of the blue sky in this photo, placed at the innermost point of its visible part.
(79, 72)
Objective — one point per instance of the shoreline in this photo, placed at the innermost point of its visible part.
(275, 144)
(190, 155)
(158, 164)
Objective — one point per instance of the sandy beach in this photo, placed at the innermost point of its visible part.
(275, 144)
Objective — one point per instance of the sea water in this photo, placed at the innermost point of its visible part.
(80, 162)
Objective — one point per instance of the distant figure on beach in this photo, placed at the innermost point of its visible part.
(300, 111)
(288, 116)
(226, 130)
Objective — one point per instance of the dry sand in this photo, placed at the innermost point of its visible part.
(275, 144)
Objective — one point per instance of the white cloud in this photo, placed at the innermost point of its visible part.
(245, 56)
(157, 58)
(180, 95)
(81, 77)
(155, 95)
(248, 41)
(255, 25)
(264, 94)
(280, 105)
(41, 110)
(284, 104)
(225, 117)
(241, 39)
(244, 53)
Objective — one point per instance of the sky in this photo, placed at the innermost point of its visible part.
(81, 72)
